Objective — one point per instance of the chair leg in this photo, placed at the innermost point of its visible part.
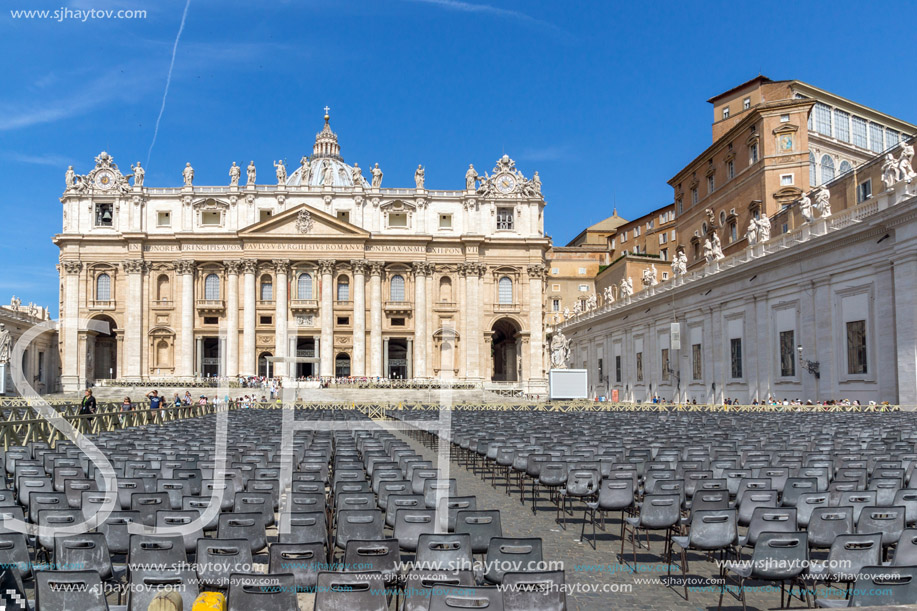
(742, 593)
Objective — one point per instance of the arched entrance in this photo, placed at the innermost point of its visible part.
(103, 351)
(265, 367)
(342, 366)
(504, 350)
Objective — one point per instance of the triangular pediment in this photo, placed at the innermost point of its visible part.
(303, 221)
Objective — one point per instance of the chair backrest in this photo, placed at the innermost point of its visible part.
(56, 519)
(438, 488)
(303, 527)
(858, 499)
(616, 494)
(827, 523)
(850, 553)
(542, 591)
(660, 511)
(173, 519)
(303, 560)
(444, 551)
(710, 499)
(14, 552)
(506, 552)
(218, 558)
(713, 529)
(419, 584)
(345, 591)
(806, 503)
(70, 590)
(401, 501)
(794, 487)
(479, 598)
(780, 555)
(275, 592)
(147, 583)
(483, 525)
(83, 552)
(449, 508)
(770, 519)
(906, 549)
(382, 556)
(886, 520)
(244, 526)
(885, 586)
(752, 500)
(410, 524)
(360, 524)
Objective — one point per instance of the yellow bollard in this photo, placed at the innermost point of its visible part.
(210, 601)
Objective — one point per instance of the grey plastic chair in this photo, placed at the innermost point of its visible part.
(827, 523)
(613, 495)
(410, 524)
(777, 556)
(505, 552)
(146, 584)
(349, 591)
(710, 531)
(419, 584)
(479, 598)
(303, 560)
(249, 592)
(444, 551)
(542, 591)
(216, 559)
(69, 591)
(382, 556)
(880, 586)
(848, 555)
(244, 526)
(483, 525)
(658, 512)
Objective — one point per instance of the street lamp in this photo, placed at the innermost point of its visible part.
(810, 366)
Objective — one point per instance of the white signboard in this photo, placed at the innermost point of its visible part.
(568, 384)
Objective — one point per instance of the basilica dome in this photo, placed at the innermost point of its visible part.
(326, 163)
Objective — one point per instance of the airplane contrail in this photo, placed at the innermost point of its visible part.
(165, 93)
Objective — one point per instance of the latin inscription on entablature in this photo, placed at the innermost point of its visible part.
(315, 246)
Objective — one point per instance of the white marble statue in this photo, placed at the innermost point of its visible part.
(608, 295)
(250, 174)
(566, 313)
(471, 177)
(823, 202)
(304, 170)
(377, 177)
(560, 351)
(717, 247)
(904, 162)
(592, 303)
(708, 250)
(419, 177)
(15, 303)
(752, 232)
(70, 177)
(139, 173)
(651, 276)
(281, 171)
(188, 175)
(890, 172)
(805, 208)
(536, 181)
(6, 345)
(577, 308)
(235, 172)
(680, 264)
(328, 175)
(627, 287)
(764, 229)
(357, 175)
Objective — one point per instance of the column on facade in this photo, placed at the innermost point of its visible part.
(249, 364)
(420, 320)
(385, 356)
(70, 328)
(474, 271)
(326, 268)
(358, 363)
(431, 322)
(536, 333)
(185, 269)
(375, 318)
(462, 344)
(133, 328)
(281, 320)
(232, 317)
(905, 279)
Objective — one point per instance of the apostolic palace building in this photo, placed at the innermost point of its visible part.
(316, 272)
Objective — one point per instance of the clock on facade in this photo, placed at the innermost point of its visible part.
(105, 179)
(505, 183)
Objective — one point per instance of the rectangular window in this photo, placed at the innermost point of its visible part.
(785, 228)
(41, 366)
(735, 351)
(581, 271)
(665, 275)
(104, 215)
(664, 255)
(711, 184)
(266, 320)
(637, 231)
(876, 138)
(649, 225)
(555, 305)
(841, 125)
(211, 320)
(617, 369)
(733, 232)
(344, 215)
(726, 112)
(555, 271)
(696, 362)
(680, 206)
(397, 322)
(864, 190)
(555, 287)
(753, 153)
(787, 354)
(263, 215)
(694, 196)
(583, 288)
(163, 219)
(746, 103)
(211, 218)
(639, 363)
(784, 118)
(505, 219)
(397, 219)
(859, 131)
(891, 138)
(786, 180)
(856, 347)
(730, 169)
(343, 320)
(664, 363)
(822, 118)
(445, 221)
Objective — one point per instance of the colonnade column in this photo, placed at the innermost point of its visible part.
(358, 363)
(326, 268)
(420, 319)
(375, 318)
(473, 274)
(536, 328)
(281, 270)
(133, 328)
(70, 329)
(185, 269)
(232, 318)
(249, 366)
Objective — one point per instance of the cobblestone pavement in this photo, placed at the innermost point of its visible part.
(602, 568)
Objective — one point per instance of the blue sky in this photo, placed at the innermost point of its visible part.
(605, 99)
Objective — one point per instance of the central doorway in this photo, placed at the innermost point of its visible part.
(397, 358)
(305, 348)
(505, 351)
(210, 362)
(342, 366)
(105, 352)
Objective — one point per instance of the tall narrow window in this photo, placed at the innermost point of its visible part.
(753, 153)
(343, 288)
(396, 290)
(787, 354)
(876, 138)
(813, 180)
(856, 347)
(697, 362)
(103, 287)
(693, 196)
(827, 168)
(735, 351)
(845, 167)
(304, 287)
(841, 125)
(505, 290)
(639, 366)
(730, 169)
(505, 219)
(617, 368)
(864, 190)
(664, 363)
(858, 125)
(212, 287)
(267, 289)
(822, 119)
(892, 138)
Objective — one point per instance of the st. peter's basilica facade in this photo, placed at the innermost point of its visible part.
(317, 272)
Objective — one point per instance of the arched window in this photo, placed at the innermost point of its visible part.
(505, 290)
(812, 179)
(304, 287)
(162, 288)
(212, 287)
(827, 168)
(103, 287)
(343, 288)
(845, 167)
(445, 289)
(267, 288)
(396, 290)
